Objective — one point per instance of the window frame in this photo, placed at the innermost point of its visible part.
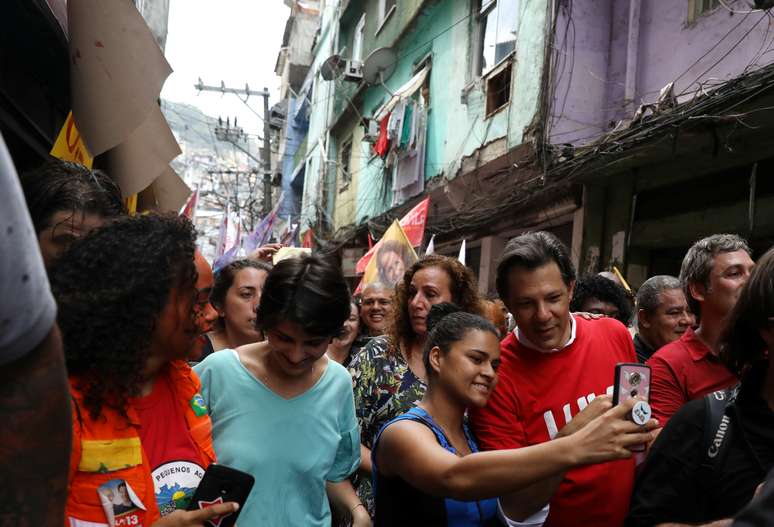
(384, 14)
(345, 174)
(699, 8)
(504, 68)
(359, 34)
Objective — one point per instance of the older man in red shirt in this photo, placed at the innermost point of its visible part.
(713, 273)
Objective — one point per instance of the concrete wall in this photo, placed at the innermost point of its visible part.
(345, 199)
(593, 58)
(319, 119)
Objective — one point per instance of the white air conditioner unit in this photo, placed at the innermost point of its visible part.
(370, 130)
(353, 70)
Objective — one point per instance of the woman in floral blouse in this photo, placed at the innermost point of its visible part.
(388, 374)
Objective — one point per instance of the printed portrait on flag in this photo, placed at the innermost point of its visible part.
(394, 254)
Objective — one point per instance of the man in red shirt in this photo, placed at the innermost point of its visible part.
(552, 367)
(713, 273)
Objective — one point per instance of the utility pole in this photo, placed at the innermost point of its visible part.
(266, 155)
(234, 135)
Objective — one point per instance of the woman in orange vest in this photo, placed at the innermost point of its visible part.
(133, 301)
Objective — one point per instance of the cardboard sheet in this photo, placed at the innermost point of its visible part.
(116, 70)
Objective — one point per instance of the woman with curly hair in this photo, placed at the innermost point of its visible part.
(388, 374)
(133, 301)
(66, 201)
(601, 296)
(281, 409)
(235, 296)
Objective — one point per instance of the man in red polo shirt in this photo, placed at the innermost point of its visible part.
(552, 367)
(713, 273)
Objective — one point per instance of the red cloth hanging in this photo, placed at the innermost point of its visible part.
(382, 144)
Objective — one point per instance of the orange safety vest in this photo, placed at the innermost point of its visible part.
(109, 448)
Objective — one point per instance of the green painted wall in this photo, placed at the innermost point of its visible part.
(443, 28)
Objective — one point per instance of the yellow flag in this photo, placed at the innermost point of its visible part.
(131, 204)
(394, 254)
(69, 146)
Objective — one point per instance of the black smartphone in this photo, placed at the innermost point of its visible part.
(222, 484)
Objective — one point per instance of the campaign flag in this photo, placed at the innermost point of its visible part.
(430, 246)
(222, 232)
(414, 222)
(233, 232)
(262, 233)
(413, 226)
(189, 209)
(393, 256)
(308, 239)
(227, 257)
(289, 239)
(69, 146)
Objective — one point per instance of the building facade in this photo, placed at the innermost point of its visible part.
(537, 114)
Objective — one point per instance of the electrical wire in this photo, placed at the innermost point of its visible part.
(735, 11)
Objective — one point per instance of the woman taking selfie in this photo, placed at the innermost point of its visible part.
(428, 458)
(388, 374)
(281, 410)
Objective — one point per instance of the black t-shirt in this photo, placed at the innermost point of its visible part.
(761, 511)
(643, 351)
(674, 488)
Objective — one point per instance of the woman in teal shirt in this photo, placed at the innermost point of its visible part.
(281, 410)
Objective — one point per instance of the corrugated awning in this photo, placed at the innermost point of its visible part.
(404, 92)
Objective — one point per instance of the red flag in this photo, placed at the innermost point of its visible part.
(189, 210)
(414, 221)
(308, 240)
(413, 224)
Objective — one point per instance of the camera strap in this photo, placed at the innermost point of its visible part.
(718, 428)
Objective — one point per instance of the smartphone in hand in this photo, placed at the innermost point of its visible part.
(632, 380)
(222, 484)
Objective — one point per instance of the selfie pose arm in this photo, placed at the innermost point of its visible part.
(411, 452)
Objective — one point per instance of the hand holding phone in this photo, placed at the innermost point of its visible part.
(198, 518)
(632, 381)
(222, 484)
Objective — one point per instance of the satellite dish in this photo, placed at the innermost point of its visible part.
(332, 68)
(379, 65)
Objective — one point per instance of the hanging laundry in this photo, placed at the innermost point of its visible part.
(382, 144)
(409, 179)
(405, 135)
(395, 126)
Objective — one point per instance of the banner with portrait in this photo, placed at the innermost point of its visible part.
(393, 255)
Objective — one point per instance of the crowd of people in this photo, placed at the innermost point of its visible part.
(129, 369)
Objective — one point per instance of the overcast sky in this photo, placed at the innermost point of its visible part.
(234, 41)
